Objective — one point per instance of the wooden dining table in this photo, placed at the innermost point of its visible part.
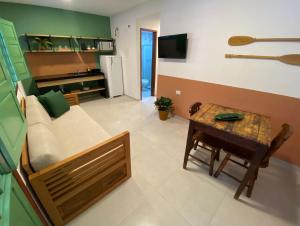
(253, 133)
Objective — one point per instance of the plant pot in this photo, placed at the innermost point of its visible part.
(163, 115)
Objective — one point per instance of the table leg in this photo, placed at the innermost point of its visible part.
(254, 166)
(189, 144)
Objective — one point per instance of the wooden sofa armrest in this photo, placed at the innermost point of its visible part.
(70, 186)
(72, 98)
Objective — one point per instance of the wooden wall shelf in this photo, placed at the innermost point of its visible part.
(80, 55)
(71, 43)
(66, 36)
(57, 82)
(71, 51)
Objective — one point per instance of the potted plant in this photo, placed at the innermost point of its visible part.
(43, 43)
(163, 105)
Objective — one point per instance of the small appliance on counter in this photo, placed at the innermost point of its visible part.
(106, 45)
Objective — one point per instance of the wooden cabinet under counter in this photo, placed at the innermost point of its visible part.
(57, 82)
(65, 80)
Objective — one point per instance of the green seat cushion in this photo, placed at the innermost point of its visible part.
(56, 104)
(229, 117)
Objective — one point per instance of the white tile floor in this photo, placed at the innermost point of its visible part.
(161, 193)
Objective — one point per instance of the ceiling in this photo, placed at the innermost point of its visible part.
(99, 7)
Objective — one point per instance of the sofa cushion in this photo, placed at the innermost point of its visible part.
(36, 113)
(31, 100)
(44, 148)
(55, 103)
(42, 100)
(77, 131)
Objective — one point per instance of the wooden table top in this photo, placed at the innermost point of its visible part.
(253, 126)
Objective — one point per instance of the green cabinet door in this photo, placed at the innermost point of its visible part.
(14, 50)
(12, 122)
(15, 209)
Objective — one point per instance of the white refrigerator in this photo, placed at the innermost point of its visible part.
(111, 66)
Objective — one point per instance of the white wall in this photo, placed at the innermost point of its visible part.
(127, 42)
(209, 24)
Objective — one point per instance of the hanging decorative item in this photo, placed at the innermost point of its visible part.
(293, 59)
(245, 40)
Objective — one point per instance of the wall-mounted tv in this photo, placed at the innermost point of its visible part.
(172, 46)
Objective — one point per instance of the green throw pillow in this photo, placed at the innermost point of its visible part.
(56, 103)
(42, 100)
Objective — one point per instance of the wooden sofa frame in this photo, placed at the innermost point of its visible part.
(68, 187)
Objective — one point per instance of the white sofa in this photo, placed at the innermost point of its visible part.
(71, 162)
(52, 140)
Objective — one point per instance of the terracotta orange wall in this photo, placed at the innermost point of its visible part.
(280, 108)
(43, 64)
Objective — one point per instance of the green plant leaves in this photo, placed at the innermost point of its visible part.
(163, 103)
(43, 42)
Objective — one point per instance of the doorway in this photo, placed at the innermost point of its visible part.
(148, 61)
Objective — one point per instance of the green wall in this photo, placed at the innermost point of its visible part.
(45, 20)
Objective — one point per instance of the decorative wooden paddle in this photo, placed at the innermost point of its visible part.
(245, 40)
(293, 59)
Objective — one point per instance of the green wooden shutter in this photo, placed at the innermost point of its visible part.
(12, 121)
(14, 50)
(5, 184)
(15, 209)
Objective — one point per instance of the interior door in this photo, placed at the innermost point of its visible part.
(12, 122)
(19, 70)
(148, 58)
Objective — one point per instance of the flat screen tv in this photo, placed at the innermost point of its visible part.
(172, 46)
